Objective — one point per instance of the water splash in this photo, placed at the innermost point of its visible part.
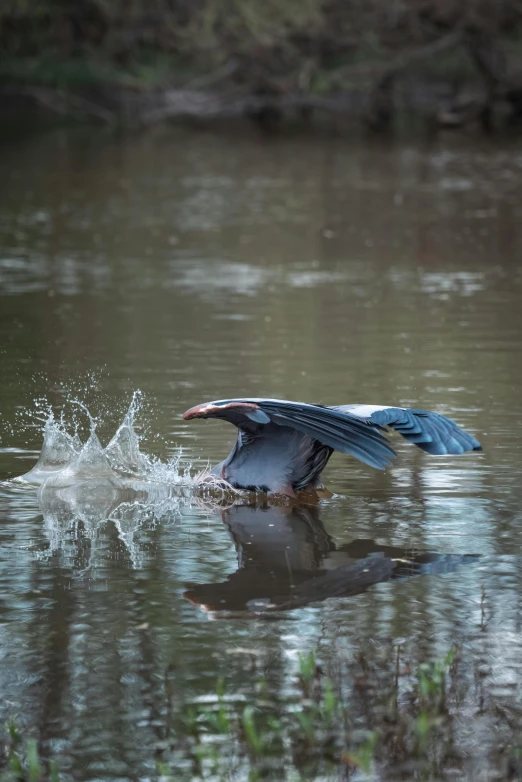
(89, 465)
(86, 487)
(123, 451)
(66, 461)
(58, 450)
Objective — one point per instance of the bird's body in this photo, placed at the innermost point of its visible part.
(282, 446)
(276, 458)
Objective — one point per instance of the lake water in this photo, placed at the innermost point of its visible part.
(195, 266)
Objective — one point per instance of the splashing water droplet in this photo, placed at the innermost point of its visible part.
(92, 421)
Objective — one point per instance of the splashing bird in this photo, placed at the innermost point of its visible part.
(282, 447)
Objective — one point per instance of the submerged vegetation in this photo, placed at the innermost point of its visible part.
(264, 57)
(22, 759)
(382, 719)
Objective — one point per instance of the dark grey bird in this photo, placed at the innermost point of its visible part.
(283, 447)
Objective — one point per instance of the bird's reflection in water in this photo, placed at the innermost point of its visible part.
(287, 560)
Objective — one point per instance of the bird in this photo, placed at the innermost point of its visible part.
(283, 446)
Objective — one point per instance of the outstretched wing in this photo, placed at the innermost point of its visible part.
(432, 432)
(334, 427)
(352, 429)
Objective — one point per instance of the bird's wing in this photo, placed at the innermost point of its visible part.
(432, 432)
(335, 428)
(332, 427)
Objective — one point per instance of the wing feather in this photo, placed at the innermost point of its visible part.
(432, 432)
(334, 428)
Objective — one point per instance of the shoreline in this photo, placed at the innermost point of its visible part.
(432, 103)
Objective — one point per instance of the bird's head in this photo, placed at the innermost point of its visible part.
(228, 410)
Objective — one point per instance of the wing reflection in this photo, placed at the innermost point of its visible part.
(286, 560)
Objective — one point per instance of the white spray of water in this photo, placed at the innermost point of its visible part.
(58, 450)
(66, 461)
(83, 485)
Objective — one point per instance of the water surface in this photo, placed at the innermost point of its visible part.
(198, 266)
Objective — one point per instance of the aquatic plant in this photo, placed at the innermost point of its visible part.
(22, 759)
(376, 726)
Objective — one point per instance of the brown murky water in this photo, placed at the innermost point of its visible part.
(200, 266)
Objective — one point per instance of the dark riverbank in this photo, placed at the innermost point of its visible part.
(415, 104)
(425, 102)
(452, 64)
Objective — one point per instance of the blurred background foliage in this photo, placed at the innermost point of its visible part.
(270, 46)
